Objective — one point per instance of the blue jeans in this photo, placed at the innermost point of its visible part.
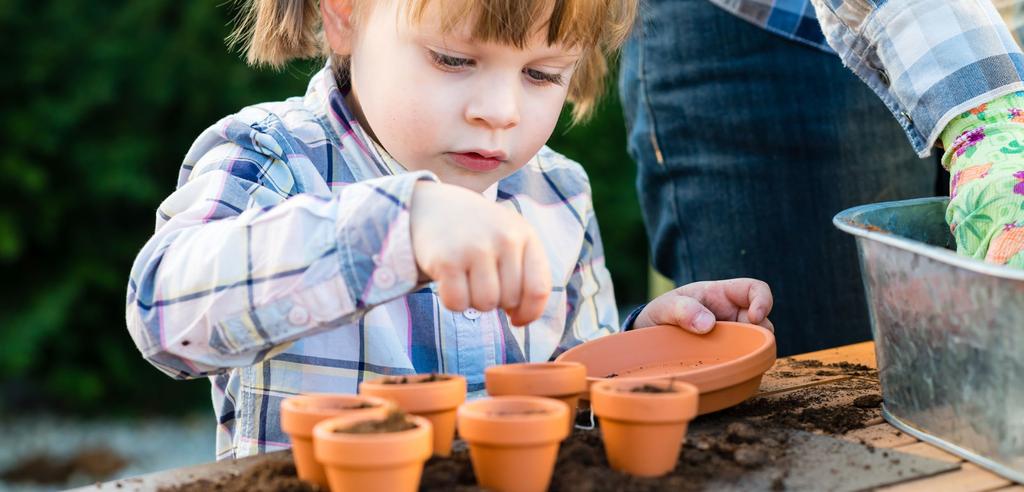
(747, 145)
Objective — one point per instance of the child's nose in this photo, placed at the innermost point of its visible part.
(495, 105)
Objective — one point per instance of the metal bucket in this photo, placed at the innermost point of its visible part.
(949, 333)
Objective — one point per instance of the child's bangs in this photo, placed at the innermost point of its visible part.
(572, 23)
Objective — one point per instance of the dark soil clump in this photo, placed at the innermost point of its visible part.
(433, 377)
(740, 432)
(394, 422)
(831, 420)
(868, 401)
(272, 476)
(650, 388)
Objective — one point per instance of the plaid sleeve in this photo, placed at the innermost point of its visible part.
(928, 60)
(238, 268)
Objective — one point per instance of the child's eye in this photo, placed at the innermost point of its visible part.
(448, 62)
(540, 77)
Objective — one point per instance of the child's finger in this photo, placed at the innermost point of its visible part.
(744, 317)
(759, 297)
(536, 284)
(483, 283)
(510, 273)
(746, 293)
(453, 289)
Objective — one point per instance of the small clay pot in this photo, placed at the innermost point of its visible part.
(391, 461)
(434, 400)
(643, 432)
(513, 440)
(565, 381)
(299, 414)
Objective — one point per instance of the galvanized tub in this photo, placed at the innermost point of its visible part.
(948, 330)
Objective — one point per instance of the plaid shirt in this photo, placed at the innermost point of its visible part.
(283, 264)
(928, 60)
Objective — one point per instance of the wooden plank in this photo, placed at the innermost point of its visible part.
(858, 353)
(969, 478)
(928, 451)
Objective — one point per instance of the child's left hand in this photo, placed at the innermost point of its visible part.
(695, 307)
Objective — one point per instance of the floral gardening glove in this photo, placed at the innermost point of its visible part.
(985, 158)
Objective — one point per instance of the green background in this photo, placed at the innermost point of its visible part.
(100, 102)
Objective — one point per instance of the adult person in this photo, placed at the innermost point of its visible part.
(750, 134)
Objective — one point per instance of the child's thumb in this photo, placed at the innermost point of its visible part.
(691, 315)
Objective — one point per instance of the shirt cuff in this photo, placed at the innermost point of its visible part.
(627, 324)
(927, 60)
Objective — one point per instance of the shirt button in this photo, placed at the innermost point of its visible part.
(298, 316)
(384, 278)
(883, 77)
(471, 313)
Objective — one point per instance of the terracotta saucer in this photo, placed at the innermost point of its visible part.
(726, 365)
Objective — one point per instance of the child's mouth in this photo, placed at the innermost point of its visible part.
(475, 161)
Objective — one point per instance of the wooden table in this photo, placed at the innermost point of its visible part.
(969, 478)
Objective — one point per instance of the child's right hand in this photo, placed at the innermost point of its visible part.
(480, 254)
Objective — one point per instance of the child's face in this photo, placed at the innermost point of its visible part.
(471, 112)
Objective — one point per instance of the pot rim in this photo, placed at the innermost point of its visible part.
(555, 379)
(609, 401)
(299, 413)
(434, 396)
(478, 423)
(360, 450)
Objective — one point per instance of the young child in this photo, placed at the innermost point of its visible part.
(403, 216)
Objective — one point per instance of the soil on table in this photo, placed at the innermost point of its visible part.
(97, 463)
(721, 447)
(394, 422)
(582, 465)
(270, 476)
(433, 377)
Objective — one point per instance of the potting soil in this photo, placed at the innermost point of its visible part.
(395, 422)
(433, 377)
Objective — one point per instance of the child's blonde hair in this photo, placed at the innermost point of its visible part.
(273, 32)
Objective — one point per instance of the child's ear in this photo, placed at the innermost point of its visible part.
(337, 15)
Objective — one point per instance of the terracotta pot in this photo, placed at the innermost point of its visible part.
(435, 400)
(643, 432)
(391, 461)
(726, 364)
(300, 413)
(513, 440)
(565, 381)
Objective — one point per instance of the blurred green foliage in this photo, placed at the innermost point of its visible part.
(100, 102)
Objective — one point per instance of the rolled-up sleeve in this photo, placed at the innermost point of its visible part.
(238, 268)
(928, 60)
